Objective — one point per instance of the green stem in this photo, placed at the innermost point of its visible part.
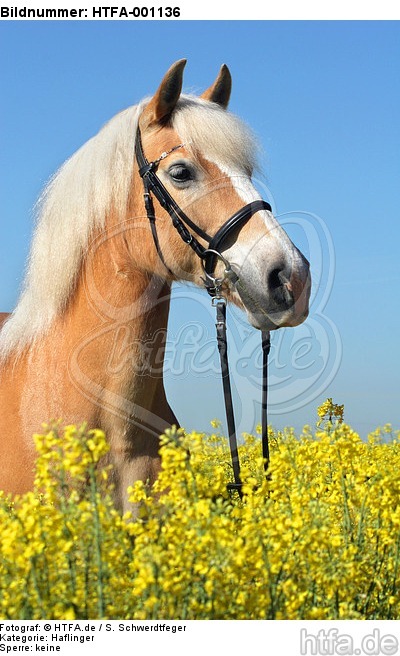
(98, 544)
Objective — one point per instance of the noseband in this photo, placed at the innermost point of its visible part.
(210, 256)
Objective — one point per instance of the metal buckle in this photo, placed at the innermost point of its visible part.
(218, 300)
(235, 487)
(212, 283)
(217, 254)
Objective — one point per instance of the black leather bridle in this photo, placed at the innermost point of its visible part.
(209, 256)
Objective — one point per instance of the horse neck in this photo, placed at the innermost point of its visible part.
(118, 317)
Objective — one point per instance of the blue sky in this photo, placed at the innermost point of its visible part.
(323, 98)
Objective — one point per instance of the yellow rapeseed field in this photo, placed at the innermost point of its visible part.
(320, 539)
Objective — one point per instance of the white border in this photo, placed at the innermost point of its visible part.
(218, 637)
(217, 11)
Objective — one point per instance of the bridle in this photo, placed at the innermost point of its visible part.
(209, 256)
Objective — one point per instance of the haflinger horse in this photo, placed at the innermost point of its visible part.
(98, 281)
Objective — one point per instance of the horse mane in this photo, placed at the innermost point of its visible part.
(76, 201)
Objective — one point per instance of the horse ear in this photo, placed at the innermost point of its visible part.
(220, 91)
(167, 95)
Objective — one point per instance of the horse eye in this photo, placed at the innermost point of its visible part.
(180, 173)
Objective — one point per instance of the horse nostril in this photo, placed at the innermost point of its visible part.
(274, 281)
(280, 286)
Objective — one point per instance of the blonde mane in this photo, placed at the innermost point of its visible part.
(76, 201)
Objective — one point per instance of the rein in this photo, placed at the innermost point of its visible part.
(209, 256)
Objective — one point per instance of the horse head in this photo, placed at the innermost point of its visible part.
(203, 158)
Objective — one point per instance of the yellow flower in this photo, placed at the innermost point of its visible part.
(318, 539)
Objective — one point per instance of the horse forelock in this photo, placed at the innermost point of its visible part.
(75, 203)
(219, 135)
